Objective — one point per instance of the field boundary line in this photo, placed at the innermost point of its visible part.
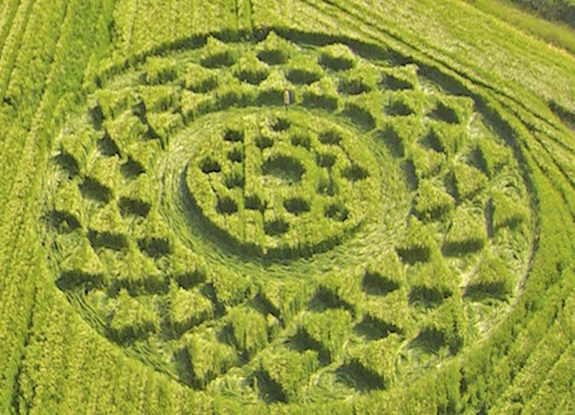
(30, 149)
(7, 17)
(523, 379)
(10, 56)
(18, 148)
(17, 388)
(561, 363)
(20, 206)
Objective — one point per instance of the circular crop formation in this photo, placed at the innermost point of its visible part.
(276, 182)
(373, 227)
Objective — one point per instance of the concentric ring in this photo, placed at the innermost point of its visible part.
(278, 180)
(376, 225)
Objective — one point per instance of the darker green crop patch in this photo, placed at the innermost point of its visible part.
(320, 101)
(428, 297)
(302, 341)
(77, 279)
(252, 76)
(273, 56)
(392, 141)
(263, 142)
(326, 298)
(254, 202)
(357, 376)
(284, 167)
(430, 340)
(330, 137)
(355, 172)
(281, 124)
(377, 284)
(487, 291)
(236, 155)
(414, 254)
(336, 63)
(336, 212)
(444, 113)
(398, 109)
(107, 146)
(297, 206)
(353, 87)
(226, 206)
(135, 207)
(204, 85)
(209, 165)
(132, 168)
(233, 135)
(432, 141)
(463, 247)
(68, 164)
(220, 59)
(393, 83)
(276, 227)
(92, 189)
(234, 180)
(270, 390)
(372, 328)
(155, 247)
(326, 160)
(302, 76)
(116, 242)
(360, 115)
(64, 221)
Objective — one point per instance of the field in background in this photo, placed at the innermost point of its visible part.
(559, 11)
(141, 273)
(558, 32)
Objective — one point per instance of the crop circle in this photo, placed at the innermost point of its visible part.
(272, 183)
(376, 226)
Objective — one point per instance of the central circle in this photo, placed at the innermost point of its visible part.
(278, 181)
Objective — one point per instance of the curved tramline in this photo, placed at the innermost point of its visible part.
(376, 226)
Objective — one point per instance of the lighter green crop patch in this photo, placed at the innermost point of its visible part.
(375, 226)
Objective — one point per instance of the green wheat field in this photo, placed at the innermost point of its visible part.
(284, 207)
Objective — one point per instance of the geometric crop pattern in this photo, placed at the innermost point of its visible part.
(273, 183)
(374, 228)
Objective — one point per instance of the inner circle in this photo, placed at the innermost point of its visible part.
(277, 181)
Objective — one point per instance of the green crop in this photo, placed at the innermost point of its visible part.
(396, 237)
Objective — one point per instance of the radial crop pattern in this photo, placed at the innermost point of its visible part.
(371, 229)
